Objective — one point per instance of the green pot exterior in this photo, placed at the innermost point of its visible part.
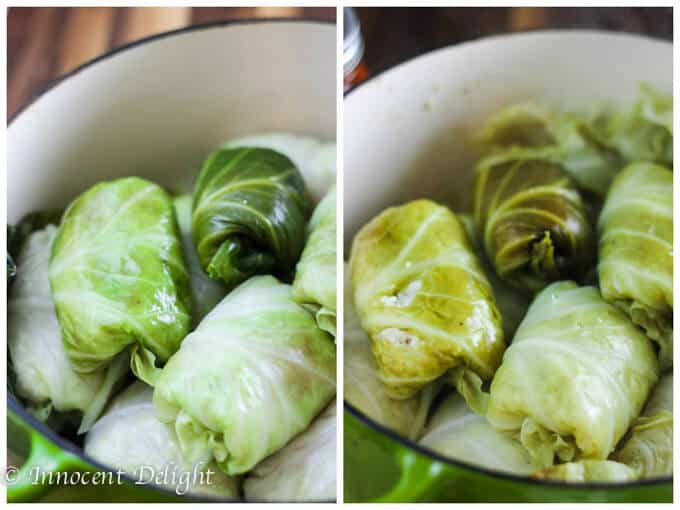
(378, 467)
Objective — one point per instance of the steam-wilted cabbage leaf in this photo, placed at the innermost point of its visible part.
(589, 471)
(251, 376)
(249, 214)
(575, 376)
(364, 389)
(570, 139)
(457, 432)
(205, 292)
(43, 374)
(315, 280)
(130, 437)
(644, 132)
(424, 301)
(649, 448)
(531, 218)
(303, 470)
(314, 159)
(636, 251)
(512, 303)
(118, 277)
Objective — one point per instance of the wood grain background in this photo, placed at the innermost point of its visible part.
(393, 35)
(44, 43)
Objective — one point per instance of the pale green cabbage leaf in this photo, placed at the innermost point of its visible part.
(649, 447)
(205, 292)
(574, 378)
(363, 387)
(589, 471)
(457, 432)
(253, 375)
(118, 277)
(303, 470)
(425, 302)
(130, 437)
(44, 374)
(636, 251)
(314, 159)
(315, 280)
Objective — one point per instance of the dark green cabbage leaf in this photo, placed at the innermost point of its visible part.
(425, 302)
(249, 214)
(531, 218)
(118, 277)
(636, 251)
(250, 377)
(574, 378)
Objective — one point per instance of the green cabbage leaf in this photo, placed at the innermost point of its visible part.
(424, 301)
(249, 214)
(250, 377)
(118, 277)
(589, 471)
(315, 279)
(574, 378)
(636, 251)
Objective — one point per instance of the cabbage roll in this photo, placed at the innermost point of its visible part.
(205, 292)
(363, 388)
(576, 375)
(589, 471)
(249, 214)
(457, 432)
(649, 447)
(636, 251)
(571, 139)
(425, 302)
(130, 437)
(303, 470)
(315, 282)
(43, 374)
(531, 218)
(253, 375)
(314, 159)
(645, 131)
(512, 303)
(118, 277)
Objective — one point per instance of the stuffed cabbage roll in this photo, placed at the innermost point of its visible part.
(315, 282)
(253, 375)
(571, 139)
(249, 214)
(512, 303)
(645, 131)
(205, 292)
(589, 471)
(118, 277)
(43, 374)
(364, 389)
(314, 159)
(649, 447)
(425, 302)
(130, 437)
(531, 218)
(636, 251)
(457, 432)
(576, 375)
(303, 470)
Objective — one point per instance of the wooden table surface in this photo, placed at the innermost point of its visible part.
(393, 35)
(44, 43)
